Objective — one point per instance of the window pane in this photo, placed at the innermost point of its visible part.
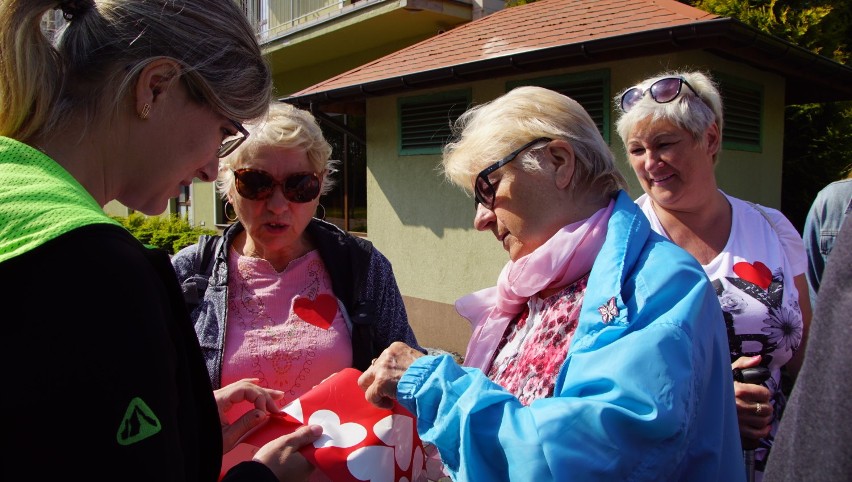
(346, 204)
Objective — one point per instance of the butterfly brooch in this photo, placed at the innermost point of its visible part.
(608, 311)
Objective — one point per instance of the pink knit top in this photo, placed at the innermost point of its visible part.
(286, 328)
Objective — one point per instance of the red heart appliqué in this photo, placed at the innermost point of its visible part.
(319, 312)
(756, 273)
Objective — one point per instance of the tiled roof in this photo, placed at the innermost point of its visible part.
(535, 26)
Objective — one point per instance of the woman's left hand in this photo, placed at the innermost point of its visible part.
(754, 409)
(244, 390)
(380, 380)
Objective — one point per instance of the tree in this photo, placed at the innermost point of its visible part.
(817, 137)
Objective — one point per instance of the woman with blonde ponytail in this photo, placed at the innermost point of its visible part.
(132, 100)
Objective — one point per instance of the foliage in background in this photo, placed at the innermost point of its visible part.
(169, 233)
(817, 137)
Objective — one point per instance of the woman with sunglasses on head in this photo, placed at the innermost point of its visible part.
(596, 356)
(671, 126)
(132, 100)
(286, 297)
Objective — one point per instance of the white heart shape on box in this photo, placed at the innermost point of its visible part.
(398, 432)
(334, 433)
(374, 463)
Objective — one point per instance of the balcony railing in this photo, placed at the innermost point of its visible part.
(274, 18)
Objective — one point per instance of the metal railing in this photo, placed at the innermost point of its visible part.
(274, 18)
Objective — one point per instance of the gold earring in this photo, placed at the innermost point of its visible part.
(146, 109)
(230, 212)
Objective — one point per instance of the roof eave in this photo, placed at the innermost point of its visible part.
(811, 77)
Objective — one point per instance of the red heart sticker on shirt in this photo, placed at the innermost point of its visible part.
(319, 312)
(756, 273)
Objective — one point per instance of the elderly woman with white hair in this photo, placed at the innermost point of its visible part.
(283, 296)
(597, 356)
(671, 126)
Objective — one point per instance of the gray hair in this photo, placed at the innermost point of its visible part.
(106, 43)
(285, 126)
(487, 132)
(691, 112)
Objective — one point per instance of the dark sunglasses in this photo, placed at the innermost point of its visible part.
(662, 91)
(258, 185)
(232, 142)
(483, 190)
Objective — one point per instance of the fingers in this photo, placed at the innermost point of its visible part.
(366, 379)
(749, 394)
(757, 426)
(374, 389)
(231, 434)
(282, 454)
(376, 394)
(754, 410)
(302, 436)
(247, 390)
(379, 382)
(746, 362)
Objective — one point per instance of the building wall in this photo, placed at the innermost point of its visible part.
(203, 198)
(115, 208)
(423, 224)
(289, 81)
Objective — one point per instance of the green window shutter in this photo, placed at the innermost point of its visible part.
(589, 89)
(743, 110)
(426, 121)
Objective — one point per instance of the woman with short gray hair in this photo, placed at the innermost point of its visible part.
(671, 126)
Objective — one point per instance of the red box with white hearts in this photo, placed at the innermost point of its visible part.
(360, 441)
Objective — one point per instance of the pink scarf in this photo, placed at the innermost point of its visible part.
(563, 259)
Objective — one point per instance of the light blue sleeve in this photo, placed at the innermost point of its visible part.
(621, 414)
(644, 396)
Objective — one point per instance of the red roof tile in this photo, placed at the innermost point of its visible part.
(538, 25)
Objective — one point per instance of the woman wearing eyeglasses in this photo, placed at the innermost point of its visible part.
(286, 297)
(132, 100)
(597, 355)
(671, 126)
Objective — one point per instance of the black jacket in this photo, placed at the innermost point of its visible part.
(103, 373)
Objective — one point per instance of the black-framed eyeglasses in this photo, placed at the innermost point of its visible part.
(232, 142)
(662, 91)
(258, 185)
(483, 190)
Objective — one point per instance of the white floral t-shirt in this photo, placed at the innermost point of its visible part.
(753, 278)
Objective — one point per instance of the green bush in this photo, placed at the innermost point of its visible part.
(171, 233)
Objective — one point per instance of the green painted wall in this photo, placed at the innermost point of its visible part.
(203, 201)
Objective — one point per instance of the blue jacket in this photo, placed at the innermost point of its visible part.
(646, 396)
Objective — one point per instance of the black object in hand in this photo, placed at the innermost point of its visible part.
(754, 375)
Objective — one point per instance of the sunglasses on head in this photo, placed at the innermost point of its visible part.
(258, 185)
(483, 190)
(662, 91)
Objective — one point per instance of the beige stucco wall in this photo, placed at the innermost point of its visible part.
(424, 225)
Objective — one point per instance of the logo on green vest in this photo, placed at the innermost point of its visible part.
(139, 423)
